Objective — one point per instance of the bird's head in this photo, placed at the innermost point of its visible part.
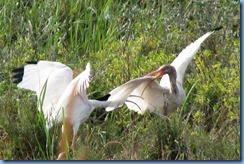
(164, 69)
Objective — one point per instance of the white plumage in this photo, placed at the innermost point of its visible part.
(48, 80)
(65, 99)
(52, 82)
(162, 98)
(58, 94)
(148, 94)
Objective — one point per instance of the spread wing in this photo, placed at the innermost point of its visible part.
(134, 94)
(147, 96)
(182, 61)
(47, 79)
(74, 97)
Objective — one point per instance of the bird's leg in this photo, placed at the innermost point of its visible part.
(62, 149)
(73, 142)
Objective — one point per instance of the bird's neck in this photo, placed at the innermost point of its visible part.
(173, 85)
(181, 65)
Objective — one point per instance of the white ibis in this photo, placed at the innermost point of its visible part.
(148, 95)
(169, 94)
(63, 99)
(52, 82)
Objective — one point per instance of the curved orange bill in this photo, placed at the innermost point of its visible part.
(158, 72)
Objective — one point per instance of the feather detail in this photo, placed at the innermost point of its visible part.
(119, 95)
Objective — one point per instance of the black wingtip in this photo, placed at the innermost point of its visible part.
(31, 62)
(218, 28)
(104, 98)
(19, 72)
(20, 69)
(17, 80)
(18, 77)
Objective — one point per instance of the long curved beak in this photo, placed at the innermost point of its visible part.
(158, 73)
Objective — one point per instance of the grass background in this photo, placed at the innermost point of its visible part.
(124, 39)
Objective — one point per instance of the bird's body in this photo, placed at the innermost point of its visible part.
(169, 94)
(60, 97)
(152, 97)
(74, 105)
(63, 99)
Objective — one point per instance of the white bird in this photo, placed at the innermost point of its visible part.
(64, 99)
(148, 95)
(52, 82)
(169, 94)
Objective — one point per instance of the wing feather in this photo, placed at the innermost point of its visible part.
(119, 95)
(75, 93)
(182, 61)
(47, 79)
(147, 97)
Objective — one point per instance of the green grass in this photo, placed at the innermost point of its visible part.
(124, 40)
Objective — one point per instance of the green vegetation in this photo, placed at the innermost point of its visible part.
(124, 40)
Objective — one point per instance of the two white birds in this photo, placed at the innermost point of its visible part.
(60, 95)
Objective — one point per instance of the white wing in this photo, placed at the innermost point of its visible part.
(48, 80)
(74, 100)
(119, 95)
(79, 84)
(148, 96)
(183, 59)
